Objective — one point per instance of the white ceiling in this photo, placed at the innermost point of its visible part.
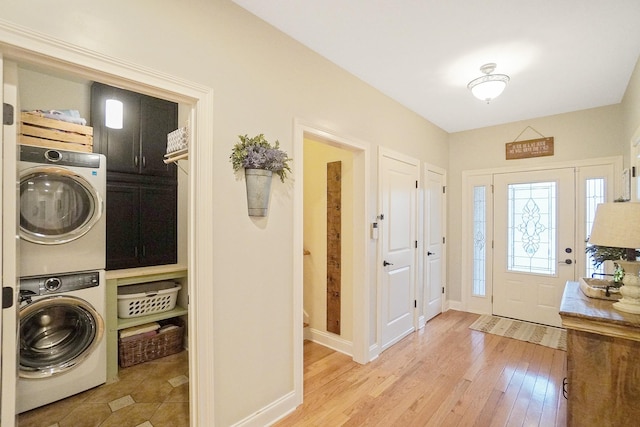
(561, 55)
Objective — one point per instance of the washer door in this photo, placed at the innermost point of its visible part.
(56, 334)
(56, 205)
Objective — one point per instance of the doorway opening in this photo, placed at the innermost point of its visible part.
(60, 58)
(318, 147)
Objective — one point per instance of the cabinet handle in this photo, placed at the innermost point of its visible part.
(144, 162)
(144, 251)
(136, 161)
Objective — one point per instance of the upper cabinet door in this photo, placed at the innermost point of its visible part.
(139, 147)
(157, 119)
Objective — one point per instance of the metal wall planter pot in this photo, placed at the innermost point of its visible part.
(258, 183)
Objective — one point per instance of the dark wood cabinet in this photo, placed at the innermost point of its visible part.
(142, 191)
(139, 147)
(141, 224)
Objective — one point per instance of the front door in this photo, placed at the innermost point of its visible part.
(399, 177)
(534, 239)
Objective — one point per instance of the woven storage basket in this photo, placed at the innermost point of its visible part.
(132, 352)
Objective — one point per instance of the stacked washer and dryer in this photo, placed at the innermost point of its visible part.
(62, 285)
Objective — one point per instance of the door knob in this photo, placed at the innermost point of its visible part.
(385, 263)
(430, 253)
(566, 261)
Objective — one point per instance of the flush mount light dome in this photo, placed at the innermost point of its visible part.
(489, 86)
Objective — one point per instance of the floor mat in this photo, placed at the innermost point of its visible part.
(523, 331)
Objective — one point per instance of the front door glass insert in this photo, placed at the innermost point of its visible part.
(532, 228)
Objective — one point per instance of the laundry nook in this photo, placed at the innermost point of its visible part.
(103, 277)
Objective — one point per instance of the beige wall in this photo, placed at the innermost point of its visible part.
(316, 157)
(631, 121)
(579, 135)
(262, 80)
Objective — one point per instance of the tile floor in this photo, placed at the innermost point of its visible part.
(151, 394)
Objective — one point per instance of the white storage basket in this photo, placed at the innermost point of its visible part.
(147, 298)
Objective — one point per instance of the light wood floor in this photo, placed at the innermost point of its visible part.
(443, 375)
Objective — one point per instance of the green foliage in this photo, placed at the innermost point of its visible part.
(258, 153)
(600, 254)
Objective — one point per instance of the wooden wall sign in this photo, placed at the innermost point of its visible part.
(334, 245)
(530, 148)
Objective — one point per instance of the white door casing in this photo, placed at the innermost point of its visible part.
(434, 245)
(534, 243)
(9, 264)
(399, 177)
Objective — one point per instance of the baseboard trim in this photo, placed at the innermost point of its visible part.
(332, 341)
(271, 413)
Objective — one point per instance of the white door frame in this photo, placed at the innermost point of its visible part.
(26, 46)
(9, 262)
(480, 176)
(361, 243)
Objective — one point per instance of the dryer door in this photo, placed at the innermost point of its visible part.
(56, 334)
(56, 205)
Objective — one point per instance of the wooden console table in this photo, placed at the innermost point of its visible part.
(603, 361)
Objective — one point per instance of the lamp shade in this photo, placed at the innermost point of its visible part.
(616, 225)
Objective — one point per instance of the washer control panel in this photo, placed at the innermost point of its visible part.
(59, 283)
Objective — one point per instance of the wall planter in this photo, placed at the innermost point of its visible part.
(259, 160)
(258, 182)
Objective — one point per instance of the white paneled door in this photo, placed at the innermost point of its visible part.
(434, 243)
(398, 183)
(534, 239)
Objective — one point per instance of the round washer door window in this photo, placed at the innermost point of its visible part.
(56, 205)
(56, 334)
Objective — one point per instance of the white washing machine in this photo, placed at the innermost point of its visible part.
(63, 347)
(62, 221)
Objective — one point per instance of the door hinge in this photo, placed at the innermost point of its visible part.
(633, 171)
(443, 240)
(444, 189)
(415, 303)
(491, 188)
(416, 183)
(416, 244)
(443, 289)
(7, 297)
(7, 114)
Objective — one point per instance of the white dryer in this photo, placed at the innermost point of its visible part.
(62, 221)
(63, 347)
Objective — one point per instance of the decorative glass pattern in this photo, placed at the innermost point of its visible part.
(479, 240)
(532, 228)
(594, 194)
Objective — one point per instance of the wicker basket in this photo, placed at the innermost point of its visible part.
(132, 352)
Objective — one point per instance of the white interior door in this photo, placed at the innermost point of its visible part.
(434, 243)
(398, 183)
(534, 243)
(9, 248)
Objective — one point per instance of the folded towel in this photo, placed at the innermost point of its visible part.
(141, 329)
(167, 328)
(139, 336)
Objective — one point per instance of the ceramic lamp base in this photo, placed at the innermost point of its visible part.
(630, 301)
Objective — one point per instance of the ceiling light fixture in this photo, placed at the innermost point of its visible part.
(489, 86)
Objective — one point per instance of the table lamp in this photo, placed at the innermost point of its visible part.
(617, 225)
